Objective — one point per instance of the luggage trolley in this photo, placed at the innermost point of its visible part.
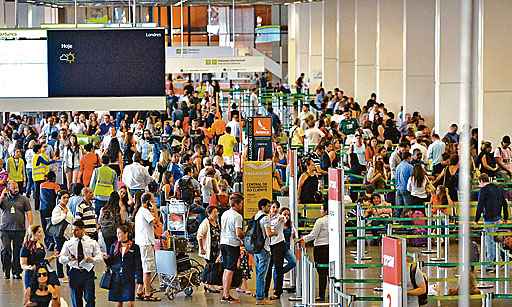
(177, 271)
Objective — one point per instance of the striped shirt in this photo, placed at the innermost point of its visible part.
(86, 213)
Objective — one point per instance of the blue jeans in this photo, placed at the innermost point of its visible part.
(59, 243)
(490, 245)
(261, 260)
(403, 198)
(98, 204)
(30, 183)
(291, 262)
(81, 284)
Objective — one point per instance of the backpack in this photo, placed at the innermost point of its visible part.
(108, 223)
(187, 192)
(423, 298)
(254, 240)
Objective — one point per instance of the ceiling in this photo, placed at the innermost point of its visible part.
(100, 3)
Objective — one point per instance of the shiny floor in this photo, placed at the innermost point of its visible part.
(11, 291)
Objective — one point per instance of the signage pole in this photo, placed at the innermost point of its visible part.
(76, 20)
(296, 274)
(336, 225)
(233, 29)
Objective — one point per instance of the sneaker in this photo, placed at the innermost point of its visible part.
(16, 276)
(263, 302)
(229, 300)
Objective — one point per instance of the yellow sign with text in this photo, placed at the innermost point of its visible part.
(257, 185)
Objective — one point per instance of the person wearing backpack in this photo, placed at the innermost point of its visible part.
(110, 219)
(257, 242)
(416, 286)
(187, 188)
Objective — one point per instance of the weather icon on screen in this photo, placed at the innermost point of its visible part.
(68, 58)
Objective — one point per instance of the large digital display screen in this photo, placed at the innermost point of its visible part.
(106, 63)
(23, 68)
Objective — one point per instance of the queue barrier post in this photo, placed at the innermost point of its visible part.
(497, 267)
(429, 250)
(360, 243)
(438, 239)
(304, 275)
(487, 299)
(446, 250)
(507, 259)
(482, 284)
(312, 283)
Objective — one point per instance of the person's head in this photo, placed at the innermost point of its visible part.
(274, 207)
(236, 201)
(374, 96)
(105, 160)
(454, 159)
(417, 154)
(137, 157)
(147, 134)
(88, 147)
(122, 233)
(36, 233)
(13, 188)
(284, 211)
(379, 166)
(324, 210)
(17, 153)
(403, 147)
(484, 179)
(51, 176)
(148, 200)
(376, 199)
(123, 194)
(78, 228)
(435, 137)
(453, 128)
(40, 277)
(212, 212)
(63, 197)
(441, 190)
(310, 165)
(87, 194)
(187, 170)
(505, 142)
(264, 205)
(486, 147)
(406, 156)
(37, 148)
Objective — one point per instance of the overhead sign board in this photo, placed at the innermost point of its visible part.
(199, 52)
(246, 64)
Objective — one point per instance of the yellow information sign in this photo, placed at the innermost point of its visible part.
(257, 185)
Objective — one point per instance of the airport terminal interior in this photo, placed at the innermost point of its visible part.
(255, 152)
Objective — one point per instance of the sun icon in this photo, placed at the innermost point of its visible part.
(68, 57)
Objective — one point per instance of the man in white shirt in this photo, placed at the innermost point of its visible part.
(415, 144)
(231, 234)
(76, 126)
(262, 258)
(145, 238)
(235, 127)
(79, 254)
(135, 176)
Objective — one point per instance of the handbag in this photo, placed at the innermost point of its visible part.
(106, 279)
(56, 230)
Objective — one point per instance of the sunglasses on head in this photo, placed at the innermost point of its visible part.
(44, 274)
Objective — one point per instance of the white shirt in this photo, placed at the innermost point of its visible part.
(418, 191)
(77, 128)
(235, 128)
(29, 156)
(136, 176)
(277, 226)
(313, 135)
(320, 233)
(229, 222)
(70, 249)
(264, 223)
(144, 233)
(422, 149)
(58, 215)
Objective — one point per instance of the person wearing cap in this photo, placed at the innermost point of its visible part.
(80, 253)
(503, 155)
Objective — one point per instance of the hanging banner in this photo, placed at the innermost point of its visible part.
(199, 52)
(257, 177)
(260, 138)
(335, 203)
(182, 64)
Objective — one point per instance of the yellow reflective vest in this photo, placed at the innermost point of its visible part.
(16, 169)
(104, 181)
(40, 171)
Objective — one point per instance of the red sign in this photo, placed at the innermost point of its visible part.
(392, 261)
(335, 192)
(262, 126)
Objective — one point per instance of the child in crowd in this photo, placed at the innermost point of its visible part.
(246, 271)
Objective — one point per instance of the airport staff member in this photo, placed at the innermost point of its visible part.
(16, 169)
(103, 183)
(40, 168)
(80, 253)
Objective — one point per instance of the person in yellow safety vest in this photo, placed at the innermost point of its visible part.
(16, 169)
(103, 182)
(40, 168)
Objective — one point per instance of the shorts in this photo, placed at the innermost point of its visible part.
(69, 169)
(147, 257)
(230, 255)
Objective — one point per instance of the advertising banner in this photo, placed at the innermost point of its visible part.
(393, 259)
(257, 185)
(181, 64)
(260, 138)
(199, 52)
(336, 249)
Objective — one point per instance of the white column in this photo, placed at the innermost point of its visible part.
(315, 45)
(366, 49)
(330, 44)
(419, 57)
(495, 110)
(390, 54)
(302, 40)
(292, 41)
(449, 79)
(346, 24)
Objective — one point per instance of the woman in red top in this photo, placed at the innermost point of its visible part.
(88, 163)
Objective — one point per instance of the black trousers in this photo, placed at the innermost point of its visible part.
(321, 256)
(10, 253)
(37, 193)
(277, 252)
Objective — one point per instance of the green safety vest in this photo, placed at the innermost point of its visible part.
(104, 180)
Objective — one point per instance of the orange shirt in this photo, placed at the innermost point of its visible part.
(87, 165)
(219, 126)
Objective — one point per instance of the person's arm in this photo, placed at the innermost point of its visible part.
(65, 255)
(96, 253)
(238, 226)
(482, 198)
(409, 185)
(314, 233)
(58, 215)
(28, 213)
(420, 283)
(92, 184)
(41, 160)
(302, 179)
(504, 205)
(375, 177)
(201, 237)
(439, 177)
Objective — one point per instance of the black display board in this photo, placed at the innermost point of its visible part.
(106, 63)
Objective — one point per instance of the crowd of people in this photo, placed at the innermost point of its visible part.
(100, 182)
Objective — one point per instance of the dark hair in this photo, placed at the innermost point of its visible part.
(210, 209)
(137, 157)
(88, 147)
(146, 197)
(105, 159)
(37, 148)
(34, 283)
(112, 205)
(76, 188)
(262, 203)
(484, 178)
(454, 159)
(418, 173)
(62, 193)
(406, 155)
(369, 189)
(288, 223)
(51, 176)
(113, 150)
(235, 198)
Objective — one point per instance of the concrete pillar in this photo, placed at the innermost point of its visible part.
(315, 45)
(449, 77)
(419, 57)
(330, 44)
(366, 49)
(494, 109)
(2, 13)
(302, 40)
(390, 54)
(292, 43)
(346, 49)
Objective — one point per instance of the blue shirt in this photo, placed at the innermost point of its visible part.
(403, 172)
(104, 128)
